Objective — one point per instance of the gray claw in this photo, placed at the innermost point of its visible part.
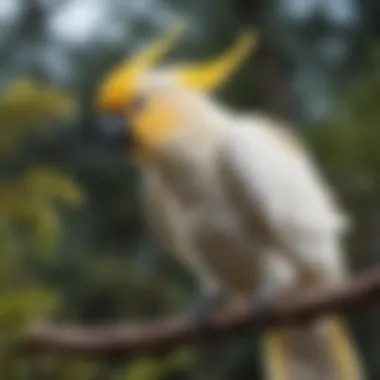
(204, 308)
(263, 299)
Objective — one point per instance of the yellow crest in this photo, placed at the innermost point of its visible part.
(120, 84)
(209, 76)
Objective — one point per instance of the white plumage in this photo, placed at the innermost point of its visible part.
(236, 199)
(239, 201)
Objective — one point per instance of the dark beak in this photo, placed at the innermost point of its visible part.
(114, 132)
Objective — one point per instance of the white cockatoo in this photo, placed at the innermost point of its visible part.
(236, 198)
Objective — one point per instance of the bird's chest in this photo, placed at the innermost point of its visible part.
(208, 213)
(213, 227)
(222, 239)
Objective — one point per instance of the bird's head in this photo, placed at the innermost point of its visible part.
(143, 107)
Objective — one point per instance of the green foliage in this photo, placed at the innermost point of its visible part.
(30, 222)
(28, 107)
(349, 143)
(28, 204)
(156, 369)
(348, 148)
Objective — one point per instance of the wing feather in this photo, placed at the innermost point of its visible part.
(271, 175)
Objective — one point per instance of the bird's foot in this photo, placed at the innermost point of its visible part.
(201, 312)
(263, 300)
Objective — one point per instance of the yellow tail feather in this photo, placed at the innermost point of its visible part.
(346, 358)
(284, 359)
(276, 361)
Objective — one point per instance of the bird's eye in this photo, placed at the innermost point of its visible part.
(138, 104)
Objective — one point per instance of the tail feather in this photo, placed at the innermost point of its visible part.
(275, 355)
(346, 359)
(322, 350)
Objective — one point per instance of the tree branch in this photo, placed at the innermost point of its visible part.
(157, 338)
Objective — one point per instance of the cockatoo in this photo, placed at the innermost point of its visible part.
(236, 198)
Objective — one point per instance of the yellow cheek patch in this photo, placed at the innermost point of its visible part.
(153, 126)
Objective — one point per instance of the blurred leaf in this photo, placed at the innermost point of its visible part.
(153, 369)
(78, 369)
(144, 369)
(52, 185)
(21, 303)
(26, 107)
